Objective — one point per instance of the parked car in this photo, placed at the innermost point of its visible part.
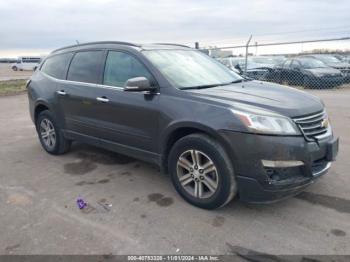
(227, 61)
(334, 62)
(266, 61)
(26, 63)
(340, 57)
(306, 71)
(217, 134)
(254, 70)
(346, 59)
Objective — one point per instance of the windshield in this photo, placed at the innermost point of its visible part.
(328, 59)
(311, 63)
(189, 68)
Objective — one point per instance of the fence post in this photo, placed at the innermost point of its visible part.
(246, 55)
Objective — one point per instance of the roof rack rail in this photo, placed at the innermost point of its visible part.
(172, 44)
(100, 42)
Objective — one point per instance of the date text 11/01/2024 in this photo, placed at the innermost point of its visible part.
(173, 258)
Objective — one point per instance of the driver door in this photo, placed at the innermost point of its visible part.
(126, 118)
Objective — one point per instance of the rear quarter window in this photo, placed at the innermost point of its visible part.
(56, 66)
(86, 67)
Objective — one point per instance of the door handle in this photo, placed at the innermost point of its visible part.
(61, 93)
(102, 99)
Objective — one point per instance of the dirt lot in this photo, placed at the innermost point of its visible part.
(6, 73)
(39, 214)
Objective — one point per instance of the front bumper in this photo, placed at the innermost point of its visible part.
(326, 81)
(258, 183)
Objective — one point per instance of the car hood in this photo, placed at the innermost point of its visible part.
(281, 99)
(259, 65)
(323, 70)
(339, 65)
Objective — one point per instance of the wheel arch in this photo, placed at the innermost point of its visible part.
(182, 129)
(40, 107)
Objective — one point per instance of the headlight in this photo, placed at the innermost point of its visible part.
(267, 122)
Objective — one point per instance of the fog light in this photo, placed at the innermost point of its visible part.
(279, 163)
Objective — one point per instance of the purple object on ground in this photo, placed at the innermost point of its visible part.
(81, 203)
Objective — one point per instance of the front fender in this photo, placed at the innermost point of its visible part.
(189, 127)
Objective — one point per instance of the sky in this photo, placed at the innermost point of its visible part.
(38, 27)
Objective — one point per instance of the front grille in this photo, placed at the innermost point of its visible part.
(331, 76)
(345, 71)
(313, 125)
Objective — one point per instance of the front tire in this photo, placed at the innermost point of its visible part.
(307, 82)
(50, 135)
(202, 172)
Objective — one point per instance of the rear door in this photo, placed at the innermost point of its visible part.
(27, 63)
(77, 94)
(55, 69)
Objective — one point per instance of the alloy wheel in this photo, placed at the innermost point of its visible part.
(48, 133)
(197, 174)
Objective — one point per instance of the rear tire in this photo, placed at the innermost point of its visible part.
(202, 172)
(14, 68)
(50, 134)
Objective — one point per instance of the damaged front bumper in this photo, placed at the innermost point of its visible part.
(270, 168)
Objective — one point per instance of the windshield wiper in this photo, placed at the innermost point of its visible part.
(201, 86)
(223, 84)
(238, 81)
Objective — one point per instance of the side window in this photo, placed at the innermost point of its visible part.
(85, 67)
(120, 67)
(56, 66)
(295, 64)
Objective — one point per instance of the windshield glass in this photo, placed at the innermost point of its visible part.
(328, 59)
(311, 63)
(189, 68)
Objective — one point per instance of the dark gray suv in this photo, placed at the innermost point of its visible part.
(217, 134)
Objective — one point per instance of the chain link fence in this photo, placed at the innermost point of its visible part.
(319, 64)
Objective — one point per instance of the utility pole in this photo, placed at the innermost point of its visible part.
(246, 54)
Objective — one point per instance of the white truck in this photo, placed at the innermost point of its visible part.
(26, 63)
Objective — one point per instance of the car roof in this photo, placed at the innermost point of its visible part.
(319, 55)
(116, 44)
(306, 57)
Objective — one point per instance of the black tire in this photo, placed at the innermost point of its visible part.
(226, 182)
(307, 82)
(14, 68)
(61, 145)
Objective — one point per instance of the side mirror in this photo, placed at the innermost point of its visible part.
(138, 84)
(238, 67)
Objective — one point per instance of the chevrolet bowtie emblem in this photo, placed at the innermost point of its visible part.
(325, 123)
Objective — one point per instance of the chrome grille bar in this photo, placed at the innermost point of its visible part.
(312, 126)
